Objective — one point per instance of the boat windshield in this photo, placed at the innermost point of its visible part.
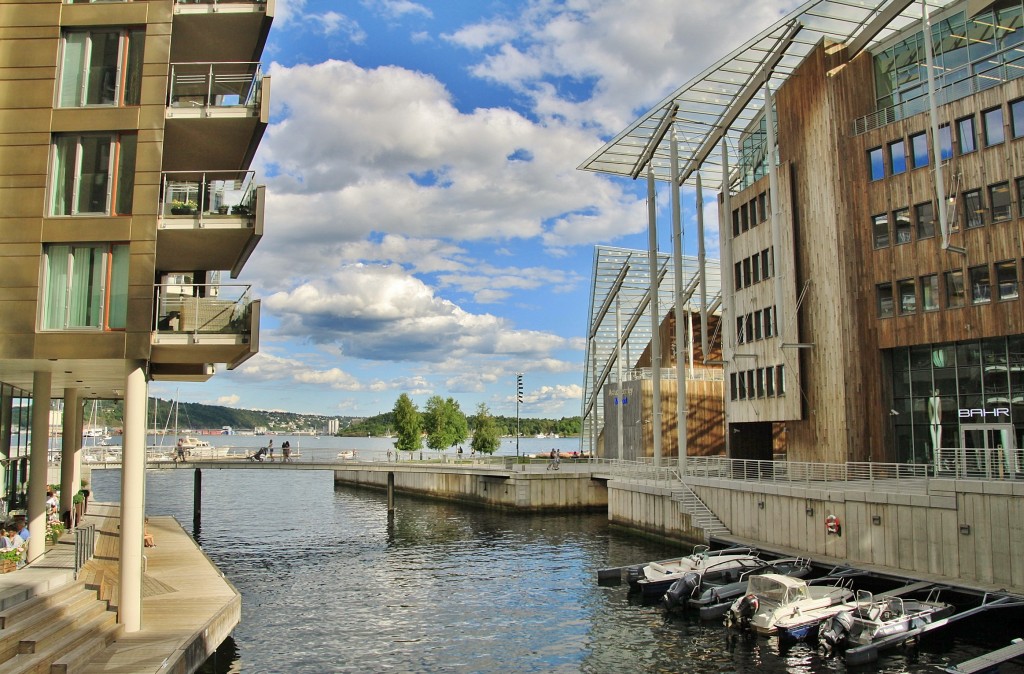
(779, 589)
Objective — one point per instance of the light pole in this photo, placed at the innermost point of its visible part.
(519, 400)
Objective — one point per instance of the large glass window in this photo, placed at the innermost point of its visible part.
(974, 213)
(930, 292)
(1017, 118)
(999, 201)
(993, 123)
(898, 157)
(884, 292)
(101, 67)
(955, 295)
(919, 150)
(967, 141)
(876, 163)
(86, 287)
(880, 229)
(86, 179)
(901, 225)
(981, 286)
(945, 142)
(924, 214)
(908, 296)
(1006, 278)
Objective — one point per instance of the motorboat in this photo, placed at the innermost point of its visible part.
(654, 578)
(713, 591)
(195, 449)
(790, 607)
(347, 454)
(873, 620)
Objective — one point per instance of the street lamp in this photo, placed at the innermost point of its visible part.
(519, 400)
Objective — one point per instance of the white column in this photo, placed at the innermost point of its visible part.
(133, 477)
(652, 241)
(620, 409)
(69, 453)
(677, 259)
(38, 464)
(79, 422)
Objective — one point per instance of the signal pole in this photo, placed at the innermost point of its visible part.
(519, 400)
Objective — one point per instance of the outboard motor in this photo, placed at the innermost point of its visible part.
(833, 632)
(741, 612)
(633, 575)
(681, 591)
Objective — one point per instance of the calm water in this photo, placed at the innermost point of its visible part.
(330, 583)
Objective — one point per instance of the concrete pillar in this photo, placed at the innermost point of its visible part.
(38, 464)
(133, 481)
(6, 407)
(391, 492)
(69, 455)
(76, 466)
(197, 503)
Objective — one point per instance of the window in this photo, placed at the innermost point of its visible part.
(760, 382)
(993, 123)
(762, 205)
(101, 67)
(945, 142)
(744, 221)
(981, 287)
(968, 142)
(1017, 118)
(908, 296)
(739, 275)
(924, 214)
(930, 292)
(740, 335)
(746, 272)
(876, 164)
(85, 287)
(1020, 195)
(86, 178)
(1006, 278)
(898, 157)
(884, 292)
(732, 385)
(973, 210)
(919, 150)
(780, 379)
(999, 201)
(767, 316)
(736, 223)
(769, 381)
(742, 385)
(880, 228)
(764, 264)
(955, 296)
(901, 222)
(757, 325)
(755, 269)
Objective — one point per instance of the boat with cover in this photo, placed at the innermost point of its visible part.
(713, 591)
(654, 578)
(873, 620)
(778, 604)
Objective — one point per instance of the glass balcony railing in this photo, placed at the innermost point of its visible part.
(215, 85)
(203, 309)
(208, 194)
(215, 2)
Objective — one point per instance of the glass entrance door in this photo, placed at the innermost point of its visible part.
(988, 451)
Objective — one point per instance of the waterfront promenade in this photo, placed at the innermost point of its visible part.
(188, 607)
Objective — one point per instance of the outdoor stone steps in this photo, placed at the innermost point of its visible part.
(700, 515)
(89, 633)
(62, 626)
(31, 607)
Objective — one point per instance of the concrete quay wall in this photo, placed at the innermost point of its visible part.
(512, 489)
(967, 530)
(650, 511)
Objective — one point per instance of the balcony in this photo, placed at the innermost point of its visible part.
(216, 115)
(209, 220)
(220, 30)
(196, 325)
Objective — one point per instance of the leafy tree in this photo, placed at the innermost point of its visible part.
(486, 437)
(408, 425)
(445, 423)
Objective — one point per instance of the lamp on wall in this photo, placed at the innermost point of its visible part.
(876, 519)
(760, 505)
(810, 511)
(965, 529)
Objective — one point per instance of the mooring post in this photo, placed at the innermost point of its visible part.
(391, 492)
(197, 501)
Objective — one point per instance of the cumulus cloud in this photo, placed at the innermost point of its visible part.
(228, 400)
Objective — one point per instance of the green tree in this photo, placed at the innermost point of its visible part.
(445, 423)
(408, 425)
(486, 437)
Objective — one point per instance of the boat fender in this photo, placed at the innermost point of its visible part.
(832, 526)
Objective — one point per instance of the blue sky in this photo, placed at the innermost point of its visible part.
(427, 230)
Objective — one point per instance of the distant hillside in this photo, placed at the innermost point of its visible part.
(381, 424)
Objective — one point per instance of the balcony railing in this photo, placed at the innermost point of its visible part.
(203, 309)
(215, 85)
(213, 2)
(208, 194)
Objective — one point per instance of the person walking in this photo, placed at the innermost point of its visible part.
(270, 449)
(286, 451)
(180, 452)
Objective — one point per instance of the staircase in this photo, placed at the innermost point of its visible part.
(700, 515)
(54, 632)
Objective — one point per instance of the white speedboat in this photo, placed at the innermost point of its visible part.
(347, 454)
(774, 604)
(654, 578)
(873, 620)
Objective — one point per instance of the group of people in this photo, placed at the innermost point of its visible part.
(14, 536)
(268, 452)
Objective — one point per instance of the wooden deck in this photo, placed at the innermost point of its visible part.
(188, 607)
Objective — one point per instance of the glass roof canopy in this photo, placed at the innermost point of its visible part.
(724, 99)
(625, 274)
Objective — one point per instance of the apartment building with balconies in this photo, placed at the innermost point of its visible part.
(127, 206)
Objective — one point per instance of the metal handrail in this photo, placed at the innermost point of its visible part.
(215, 85)
(202, 308)
(208, 194)
(85, 545)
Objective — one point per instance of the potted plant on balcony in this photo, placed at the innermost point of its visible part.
(187, 207)
(9, 560)
(240, 209)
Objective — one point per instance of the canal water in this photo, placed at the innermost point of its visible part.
(331, 583)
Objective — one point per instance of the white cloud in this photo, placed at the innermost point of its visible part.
(397, 8)
(228, 400)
